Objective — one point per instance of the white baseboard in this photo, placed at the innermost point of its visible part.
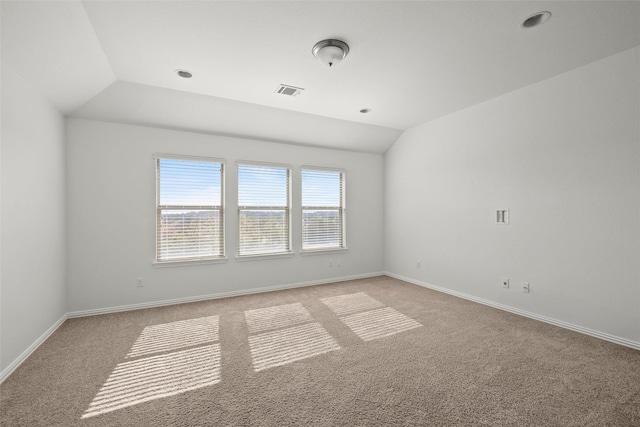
(601, 335)
(152, 304)
(14, 365)
(597, 334)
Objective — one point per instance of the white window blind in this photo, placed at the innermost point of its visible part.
(264, 209)
(190, 215)
(323, 209)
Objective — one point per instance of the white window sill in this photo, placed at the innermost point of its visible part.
(185, 263)
(322, 251)
(264, 256)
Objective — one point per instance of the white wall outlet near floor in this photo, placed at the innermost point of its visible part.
(525, 287)
(418, 264)
(505, 282)
(139, 282)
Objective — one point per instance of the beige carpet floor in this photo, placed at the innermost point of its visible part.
(369, 352)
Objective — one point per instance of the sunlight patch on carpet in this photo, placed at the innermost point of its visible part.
(175, 335)
(379, 323)
(277, 348)
(137, 381)
(351, 303)
(279, 316)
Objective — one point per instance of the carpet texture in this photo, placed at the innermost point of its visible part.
(372, 352)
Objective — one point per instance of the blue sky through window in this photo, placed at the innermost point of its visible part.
(190, 183)
(321, 188)
(262, 186)
(198, 183)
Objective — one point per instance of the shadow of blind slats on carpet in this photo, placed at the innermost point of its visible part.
(176, 371)
(172, 358)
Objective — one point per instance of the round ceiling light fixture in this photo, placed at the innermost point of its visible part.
(330, 52)
(536, 19)
(184, 74)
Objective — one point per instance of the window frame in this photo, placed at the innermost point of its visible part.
(288, 210)
(342, 209)
(159, 208)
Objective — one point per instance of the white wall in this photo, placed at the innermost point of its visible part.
(32, 267)
(564, 156)
(111, 216)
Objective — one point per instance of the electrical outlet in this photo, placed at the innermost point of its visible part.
(330, 263)
(525, 287)
(418, 264)
(139, 282)
(505, 282)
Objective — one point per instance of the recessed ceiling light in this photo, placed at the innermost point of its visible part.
(366, 110)
(536, 19)
(184, 74)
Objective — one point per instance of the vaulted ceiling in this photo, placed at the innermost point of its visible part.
(410, 62)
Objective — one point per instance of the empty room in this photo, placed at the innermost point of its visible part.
(320, 213)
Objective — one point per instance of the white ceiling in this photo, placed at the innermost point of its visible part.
(410, 62)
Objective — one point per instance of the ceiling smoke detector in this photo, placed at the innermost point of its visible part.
(330, 52)
(289, 90)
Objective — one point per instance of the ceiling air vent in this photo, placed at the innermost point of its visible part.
(289, 90)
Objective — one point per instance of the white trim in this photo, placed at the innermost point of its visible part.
(342, 209)
(323, 168)
(219, 295)
(25, 354)
(186, 157)
(186, 263)
(322, 251)
(257, 257)
(20, 359)
(158, 207)
(570, 326)
(264, 164)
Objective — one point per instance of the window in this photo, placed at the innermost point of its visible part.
(322, 209)
(264, 209)
(190, 214)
